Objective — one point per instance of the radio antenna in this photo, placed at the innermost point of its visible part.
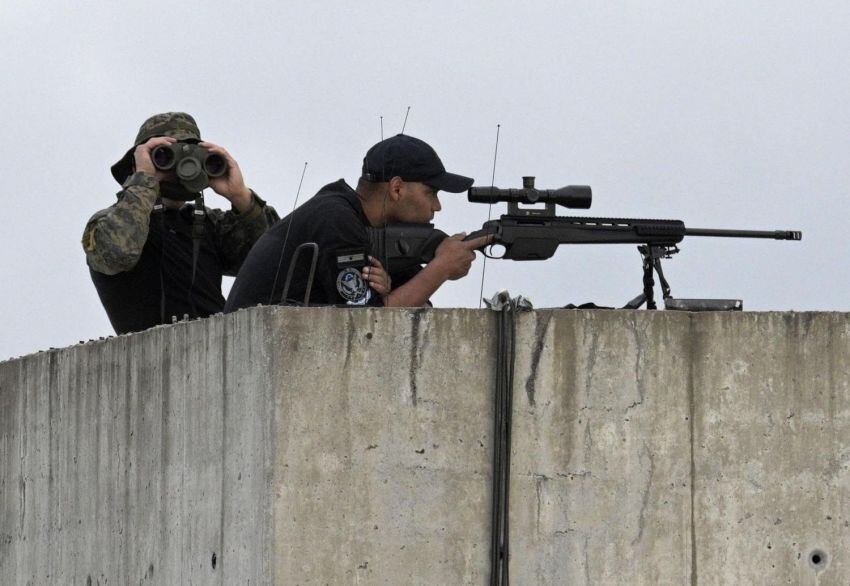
(489, 212)
(382, 128)
(286, 237)
(406, 114)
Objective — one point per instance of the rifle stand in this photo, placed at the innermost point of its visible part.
(651, 256)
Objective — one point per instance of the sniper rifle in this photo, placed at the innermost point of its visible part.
(534, 233)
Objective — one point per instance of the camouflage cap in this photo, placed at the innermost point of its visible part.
(178, 125)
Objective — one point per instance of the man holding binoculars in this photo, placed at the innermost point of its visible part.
(154, 257)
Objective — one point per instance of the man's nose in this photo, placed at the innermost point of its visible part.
(437, 207)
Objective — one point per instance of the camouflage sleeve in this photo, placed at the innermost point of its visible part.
(114, 237)
(236, 233)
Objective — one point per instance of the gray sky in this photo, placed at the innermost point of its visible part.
(722, 114)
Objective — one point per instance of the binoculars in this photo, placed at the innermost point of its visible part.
(193, 164)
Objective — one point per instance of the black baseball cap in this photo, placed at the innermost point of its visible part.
(413, 160)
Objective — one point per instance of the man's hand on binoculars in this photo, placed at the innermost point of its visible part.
(231, 185)
(143, 161)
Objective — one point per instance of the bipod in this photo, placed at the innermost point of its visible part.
(651, 255)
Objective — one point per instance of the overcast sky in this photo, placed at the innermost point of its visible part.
(721, 114)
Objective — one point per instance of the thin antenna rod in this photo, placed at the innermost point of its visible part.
(406, 114)
(489, 212)
(382, 128)
(493, 177)
(286, 237)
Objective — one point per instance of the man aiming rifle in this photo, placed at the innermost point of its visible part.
(535, 234)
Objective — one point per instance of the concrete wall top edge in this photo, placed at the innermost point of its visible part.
(710, 317)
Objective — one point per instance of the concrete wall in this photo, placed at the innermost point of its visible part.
(331, 446)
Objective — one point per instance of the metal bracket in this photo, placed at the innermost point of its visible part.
(294, 261)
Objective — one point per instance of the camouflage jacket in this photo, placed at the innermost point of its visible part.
(114, 237)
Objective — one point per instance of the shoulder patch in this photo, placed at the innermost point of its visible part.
(352, 287)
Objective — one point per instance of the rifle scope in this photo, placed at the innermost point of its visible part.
(571, 196)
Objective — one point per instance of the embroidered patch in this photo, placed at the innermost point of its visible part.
(352, 287)
(351, 257)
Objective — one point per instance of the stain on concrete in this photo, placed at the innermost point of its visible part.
(349, 341)
(540, 330)
(22, 446)
(539, 480)
(692, 355)
(640, 338)
(646, 492)
(22, 485)
(591, 348)
(415, 352)
(588, 444)
(566, 363)
(223, 496)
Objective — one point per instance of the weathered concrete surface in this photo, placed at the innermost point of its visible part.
(771, 448)
(330, 446)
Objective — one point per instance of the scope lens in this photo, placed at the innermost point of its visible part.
(163, 158)
(215, 165)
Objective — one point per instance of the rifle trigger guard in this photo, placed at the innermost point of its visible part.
(487, 250)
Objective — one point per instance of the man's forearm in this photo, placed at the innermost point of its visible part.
(418, 290)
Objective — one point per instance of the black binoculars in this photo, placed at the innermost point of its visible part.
(193, 164)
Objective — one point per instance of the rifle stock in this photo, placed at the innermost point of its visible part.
(401, 247)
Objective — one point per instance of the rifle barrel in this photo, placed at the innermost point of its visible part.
(772, 234)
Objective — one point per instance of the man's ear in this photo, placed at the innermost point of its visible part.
(396, 184)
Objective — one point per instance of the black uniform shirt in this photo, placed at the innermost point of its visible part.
(334, 220)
